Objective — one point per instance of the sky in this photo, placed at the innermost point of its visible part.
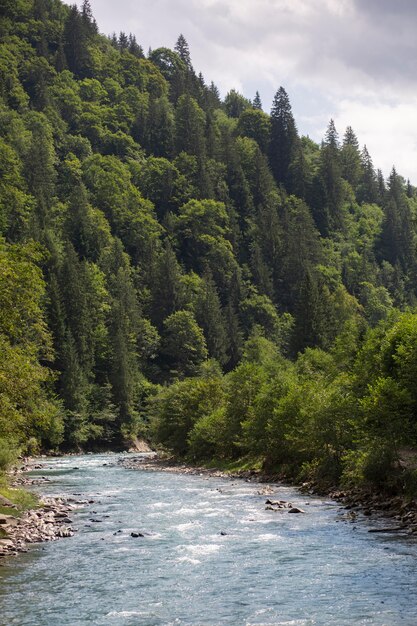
(351, 60)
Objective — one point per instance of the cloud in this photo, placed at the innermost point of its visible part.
(355, 58)
(385, 129)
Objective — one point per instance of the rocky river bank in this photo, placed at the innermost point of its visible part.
(399, 512)
(49, 521)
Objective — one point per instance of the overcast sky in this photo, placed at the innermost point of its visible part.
(353, 60)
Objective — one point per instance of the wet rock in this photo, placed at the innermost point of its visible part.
(135, 535)
(223, 533)
(64, 531)
(295, 509)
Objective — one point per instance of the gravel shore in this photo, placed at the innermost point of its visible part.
(48, 522)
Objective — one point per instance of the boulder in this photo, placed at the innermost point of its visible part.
(295, 509)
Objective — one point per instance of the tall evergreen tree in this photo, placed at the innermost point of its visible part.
(182, 48)
(350, 158)
(398, 239)
(328, 211)
(210, 318)
(257, 102)
(368, 187)
(283, 137)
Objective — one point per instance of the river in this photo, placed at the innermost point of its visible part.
(210, 555)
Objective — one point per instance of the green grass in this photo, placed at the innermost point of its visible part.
(24, 500)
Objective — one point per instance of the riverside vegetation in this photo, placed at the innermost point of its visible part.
(191, 270)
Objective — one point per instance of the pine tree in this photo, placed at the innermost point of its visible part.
(134, 48)
(123, 41)
(350, 158)
(123, 323)
(283, 137)
(158, 136)
(77, 34)
(328, 206)
(235, 337)
(167, 292)
(209, 317)
(299, 174)
(76, 293)
(190, 127)
(368, 187)
(398, 239)
(257, 102)
(183, 50)
(89, 22)
(40, 170)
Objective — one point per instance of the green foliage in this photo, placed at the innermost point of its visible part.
(148, 226)
(8, 454)
(183, 344)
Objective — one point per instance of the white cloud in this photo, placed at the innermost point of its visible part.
(385, 129)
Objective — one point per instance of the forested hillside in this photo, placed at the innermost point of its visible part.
(192, 269)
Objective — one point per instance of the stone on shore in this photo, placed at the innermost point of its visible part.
(48, 523)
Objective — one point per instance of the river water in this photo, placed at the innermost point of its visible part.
(268, 568)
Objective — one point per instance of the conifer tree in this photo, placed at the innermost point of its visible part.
(328, 211)
(183, 50)
(283, 137)
(167, 292)
(350, 158)
(77, 33)
(190, 127)
(368, 187)
(123, 324)
(398, 237)
(209, 317)
(40, 169)
(257, 102)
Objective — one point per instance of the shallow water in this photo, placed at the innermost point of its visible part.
(270, 568)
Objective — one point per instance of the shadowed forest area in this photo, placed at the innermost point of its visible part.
(191, 270)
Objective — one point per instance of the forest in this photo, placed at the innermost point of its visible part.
(189, 269)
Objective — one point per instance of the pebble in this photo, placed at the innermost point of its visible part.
(48, 523)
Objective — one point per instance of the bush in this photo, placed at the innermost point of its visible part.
(8, 454)
(374, 466)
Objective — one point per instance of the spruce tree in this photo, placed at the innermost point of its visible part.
(328, 206)
(257, 102)
(350, 158)
(283, 137)
(368, 186)
(209, 316)
(183, 50)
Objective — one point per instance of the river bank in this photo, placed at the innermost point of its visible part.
(51, 519)
(48, 520)
(168, 547)
(399, 512)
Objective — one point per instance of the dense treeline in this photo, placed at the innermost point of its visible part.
(192, 268)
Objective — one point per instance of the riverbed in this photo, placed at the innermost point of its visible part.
(205, 552)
